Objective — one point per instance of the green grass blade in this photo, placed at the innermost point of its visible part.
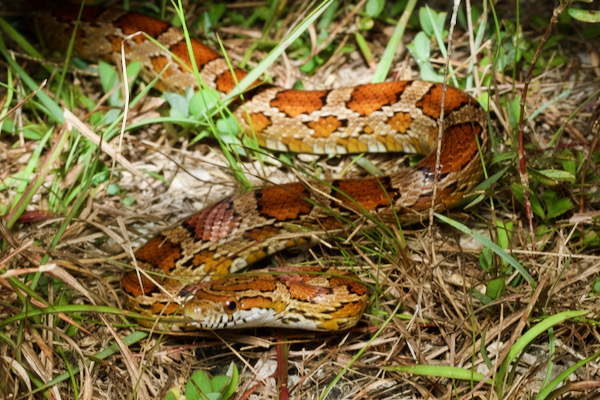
(491, 245)
(441, 371)
(547, 390)
(385, 63)
(110, 350)
(274, 54)
(528, 337)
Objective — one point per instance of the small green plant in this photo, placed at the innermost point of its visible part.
(201, 387)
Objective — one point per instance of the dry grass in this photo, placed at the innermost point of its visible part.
(432, 275)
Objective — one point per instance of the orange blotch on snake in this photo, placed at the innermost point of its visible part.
(265, 283)
(116, 43)
(202, 53)
(431, 102)
(367, 99)
(284, 202)
(458, 148)
(158, 63)
(212, 265)
(225, 82)
(262, 233)
(258, 121)
(443, 195)
(369, 193)
(400, 122)
(329, 223)
(324, 127)
(131, 284)
(305, 292)
(296, 102)
(160, 253)
(132, 23)
(349, 310)
(353, 285)
(166, 309)
(248, 303)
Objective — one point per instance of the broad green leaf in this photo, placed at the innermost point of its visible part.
(421, 47)
(203, 102)
(591, 16)
(557, 175)
(495, 288)
(198, 385)
(219, 383)
(232, 372)
(486, 258)
(374, 7)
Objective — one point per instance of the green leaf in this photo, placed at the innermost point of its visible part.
(203, 102)
(486, 258)
(495, 288)
(173, 394)
(421, 47)
(425, 21)
(504, 232)
(546, 391)
(536, 206)
(232, 372)
(374, 7)
(109, 79)
(591, 16)
(428, 73)
(596, 285)
(128, 201)
(218, 382)
(133, 70)
(197, 386)
(112, 189)
(178, 103)
(557, 175)
(556, 206)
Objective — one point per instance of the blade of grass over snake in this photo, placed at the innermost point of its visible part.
(274, 54)
(383, 67)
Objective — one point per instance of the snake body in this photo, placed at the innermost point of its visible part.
(221, 239)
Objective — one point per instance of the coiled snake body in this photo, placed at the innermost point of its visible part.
(221, 239)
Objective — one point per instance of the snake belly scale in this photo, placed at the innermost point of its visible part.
(221, 239)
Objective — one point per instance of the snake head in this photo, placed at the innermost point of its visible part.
(280, 298)
(209, 311)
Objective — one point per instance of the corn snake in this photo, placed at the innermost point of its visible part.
(398, 116)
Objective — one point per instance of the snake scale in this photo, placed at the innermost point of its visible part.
(221, 239)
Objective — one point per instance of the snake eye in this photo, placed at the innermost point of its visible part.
(230, 305)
